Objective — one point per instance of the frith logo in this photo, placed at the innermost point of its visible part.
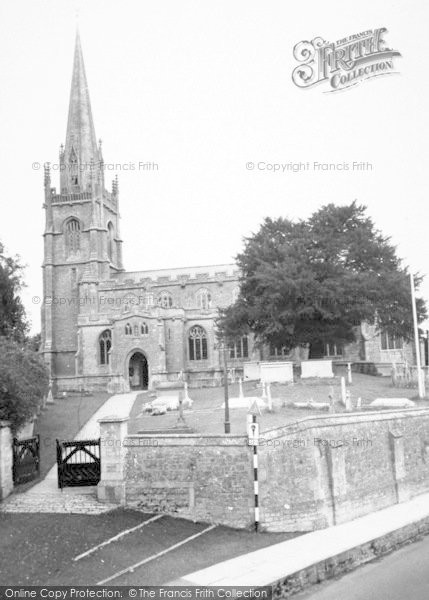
(344, 63)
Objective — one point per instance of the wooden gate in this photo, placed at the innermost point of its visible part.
(78, 462)
(26, 459)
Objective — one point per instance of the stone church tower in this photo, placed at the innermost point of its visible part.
(82, 245)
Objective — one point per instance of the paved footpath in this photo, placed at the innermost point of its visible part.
(46, 497)
(277, 562)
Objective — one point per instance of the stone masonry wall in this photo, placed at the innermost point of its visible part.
(325, 471)
(6, 460)
(203, 478)
(318, 472)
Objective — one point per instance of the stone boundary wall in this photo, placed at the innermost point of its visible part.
(6, 460)
(323, 471)
(317, 472)
(206, 478)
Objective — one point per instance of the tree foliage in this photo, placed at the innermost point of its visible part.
(316, 279)
(13, 323)
(23, 382)
(23, 376)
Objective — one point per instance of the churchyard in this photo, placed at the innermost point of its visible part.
(207, 414)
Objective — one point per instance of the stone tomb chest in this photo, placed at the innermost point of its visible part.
(279, 372)
(316, 368)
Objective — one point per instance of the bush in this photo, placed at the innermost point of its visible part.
(24, 382)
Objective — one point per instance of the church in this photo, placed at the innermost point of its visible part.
(104, 328)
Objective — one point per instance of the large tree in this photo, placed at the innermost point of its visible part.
(13, 322)
(23, 382)
(313, 280)
(23, 375)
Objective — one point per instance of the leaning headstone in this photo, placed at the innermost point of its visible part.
(349, 373)
(349, 406)
(331, 399)
(394, 375)
(269, 398)
(343, 391)
(50, 398)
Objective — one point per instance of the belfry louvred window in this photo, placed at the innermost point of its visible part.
(197, 343)
(110, 241)
(73, 236)
(73, 166)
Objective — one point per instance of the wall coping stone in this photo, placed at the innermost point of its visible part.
(113, 419)
(188, 439)
(345, 419)
(304, 424)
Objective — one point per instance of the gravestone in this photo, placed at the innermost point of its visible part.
(251, 371)
(276, 372)
(316, 368)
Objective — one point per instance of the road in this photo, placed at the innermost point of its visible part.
(402, 575)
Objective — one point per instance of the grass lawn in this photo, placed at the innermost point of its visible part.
(38, 549)
(207, 413)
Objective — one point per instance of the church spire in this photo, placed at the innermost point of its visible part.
(81, 143)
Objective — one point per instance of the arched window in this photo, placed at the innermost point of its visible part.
(136, 330)
(105, 343)
(110, 240)
(144, 329)
(204, 299)
(165, 300)
(239, 348)
(197, 343)
(73, 236)
(128, 330)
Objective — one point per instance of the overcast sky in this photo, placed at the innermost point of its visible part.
(202, 88)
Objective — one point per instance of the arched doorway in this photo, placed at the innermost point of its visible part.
(138, 372)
